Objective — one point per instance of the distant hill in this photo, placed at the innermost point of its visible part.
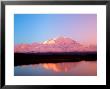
(59, 44)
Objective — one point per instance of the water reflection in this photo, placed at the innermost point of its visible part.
(83, 68)
(60, 67)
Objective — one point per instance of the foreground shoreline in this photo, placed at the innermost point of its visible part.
(35, 58)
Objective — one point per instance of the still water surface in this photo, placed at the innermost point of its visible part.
(82, 68)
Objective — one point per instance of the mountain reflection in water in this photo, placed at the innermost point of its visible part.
(82, 68)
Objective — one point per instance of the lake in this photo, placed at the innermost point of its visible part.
(82, 68)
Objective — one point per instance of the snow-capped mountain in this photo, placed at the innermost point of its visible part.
(60, 44)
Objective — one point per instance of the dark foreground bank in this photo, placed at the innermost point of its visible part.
(34, 58)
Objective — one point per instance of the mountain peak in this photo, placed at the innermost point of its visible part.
(59, 40)
(59, 44)
(51, 41)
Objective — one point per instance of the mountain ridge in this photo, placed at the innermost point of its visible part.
(59, 44)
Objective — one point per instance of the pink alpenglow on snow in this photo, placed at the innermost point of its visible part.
(60, 44)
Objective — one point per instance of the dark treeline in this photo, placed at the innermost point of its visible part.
(34, 58)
